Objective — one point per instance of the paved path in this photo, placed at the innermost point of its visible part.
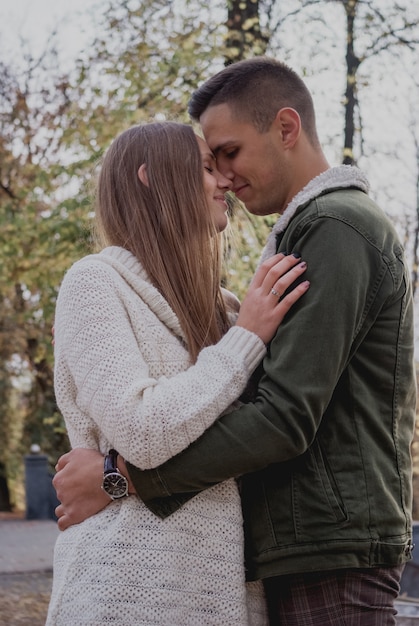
(26, 545)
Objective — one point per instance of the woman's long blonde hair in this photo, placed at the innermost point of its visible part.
(167, 224)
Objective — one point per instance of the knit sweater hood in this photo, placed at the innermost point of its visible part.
(131, 270)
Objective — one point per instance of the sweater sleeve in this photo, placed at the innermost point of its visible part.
(103, 383)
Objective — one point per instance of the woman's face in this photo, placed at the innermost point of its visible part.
(215, 186)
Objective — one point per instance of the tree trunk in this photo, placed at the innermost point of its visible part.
(244, 37)
(352, 64)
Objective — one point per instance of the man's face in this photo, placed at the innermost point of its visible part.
(255, 162)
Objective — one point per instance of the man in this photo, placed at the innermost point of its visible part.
(323, 452)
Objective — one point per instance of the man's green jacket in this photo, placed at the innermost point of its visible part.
(323, 452)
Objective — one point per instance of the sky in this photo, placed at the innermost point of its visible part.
(34, 20)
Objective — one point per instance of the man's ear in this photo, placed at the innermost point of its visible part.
(288, 123)
(142, 174)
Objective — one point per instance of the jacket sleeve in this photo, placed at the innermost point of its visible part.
(103, 383)
(304, 363)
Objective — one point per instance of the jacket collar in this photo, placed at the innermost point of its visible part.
(339, 177)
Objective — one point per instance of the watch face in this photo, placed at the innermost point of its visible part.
(115, 485)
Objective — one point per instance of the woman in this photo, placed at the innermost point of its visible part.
(145, 361)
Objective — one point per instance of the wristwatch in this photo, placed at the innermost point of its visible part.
(114, 483)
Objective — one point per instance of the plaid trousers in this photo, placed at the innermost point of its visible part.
(352, 597)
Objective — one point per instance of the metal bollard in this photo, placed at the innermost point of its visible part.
(40, 495)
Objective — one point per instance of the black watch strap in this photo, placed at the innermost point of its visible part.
(110, 462)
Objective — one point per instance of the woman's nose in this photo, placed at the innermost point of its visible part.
(223, 182)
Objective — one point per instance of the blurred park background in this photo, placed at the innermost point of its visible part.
(139, 60)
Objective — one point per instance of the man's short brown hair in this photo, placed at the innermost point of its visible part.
(257, 89)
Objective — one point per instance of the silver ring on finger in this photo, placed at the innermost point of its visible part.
(274, 292)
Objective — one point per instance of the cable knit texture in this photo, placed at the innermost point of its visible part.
(123, 379)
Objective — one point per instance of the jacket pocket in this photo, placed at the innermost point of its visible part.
(317, 502)
(291, 503)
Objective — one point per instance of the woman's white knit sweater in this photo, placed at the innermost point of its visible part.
(123, 379)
